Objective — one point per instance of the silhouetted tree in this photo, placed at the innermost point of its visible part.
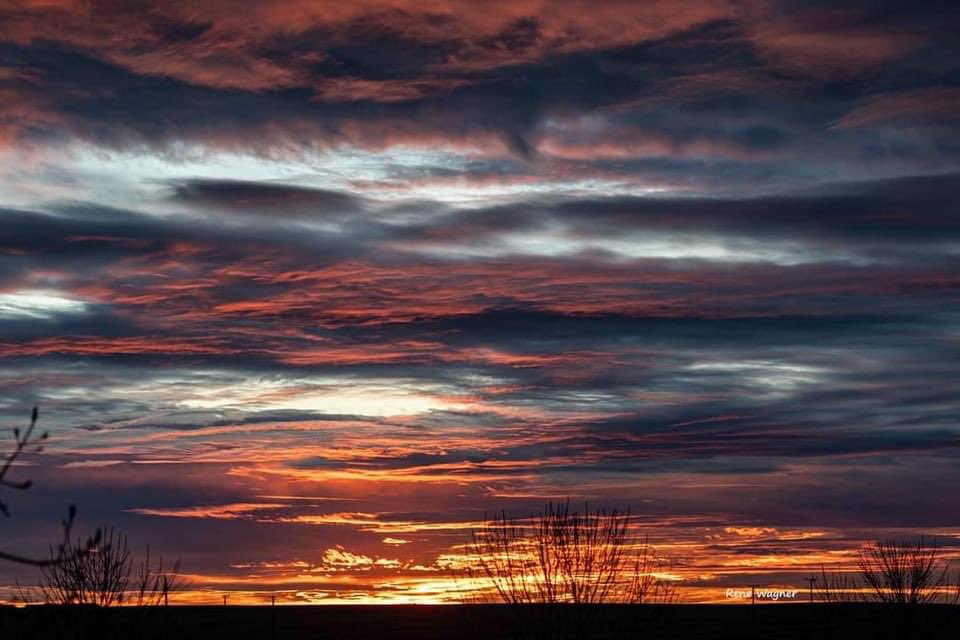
(905, 573)
(564, 564)
(108, 575)
(100, 577)
(565, 557)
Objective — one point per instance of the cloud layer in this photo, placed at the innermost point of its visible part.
(304, 290)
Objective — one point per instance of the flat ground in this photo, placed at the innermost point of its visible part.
(818, 621)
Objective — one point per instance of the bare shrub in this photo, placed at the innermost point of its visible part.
(108, 575)
(564, 557)
(154, 583)
(100, 577)
(837, 586)
(905, 573)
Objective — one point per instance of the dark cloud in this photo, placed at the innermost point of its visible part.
(390, 78)
(265, 199)
(882, 213)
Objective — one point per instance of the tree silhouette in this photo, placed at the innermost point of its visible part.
(561, 556)
(569, 561)
(108, 576)
(905, 573)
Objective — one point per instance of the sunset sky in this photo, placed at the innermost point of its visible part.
(304, 288)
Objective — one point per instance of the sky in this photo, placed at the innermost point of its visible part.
(304, 289)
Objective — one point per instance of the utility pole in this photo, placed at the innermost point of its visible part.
(273, 616)
(224, 599)
(812, 580)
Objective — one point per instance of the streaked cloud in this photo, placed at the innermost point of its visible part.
(304, 290)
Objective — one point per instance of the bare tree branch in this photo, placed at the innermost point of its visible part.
(27, 441)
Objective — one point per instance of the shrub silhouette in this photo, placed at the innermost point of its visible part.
(567, 560)
(906, 573)
(562, 556)
(109, 575)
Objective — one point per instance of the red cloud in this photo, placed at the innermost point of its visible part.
(904, 105)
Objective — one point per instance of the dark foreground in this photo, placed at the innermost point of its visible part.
(819, 621)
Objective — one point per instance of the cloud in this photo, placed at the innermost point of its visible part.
(443, 258)
(936, 103)
(386, 74)
(265, 199)
(217, 512)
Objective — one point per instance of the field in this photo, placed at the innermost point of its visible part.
(785, 622)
